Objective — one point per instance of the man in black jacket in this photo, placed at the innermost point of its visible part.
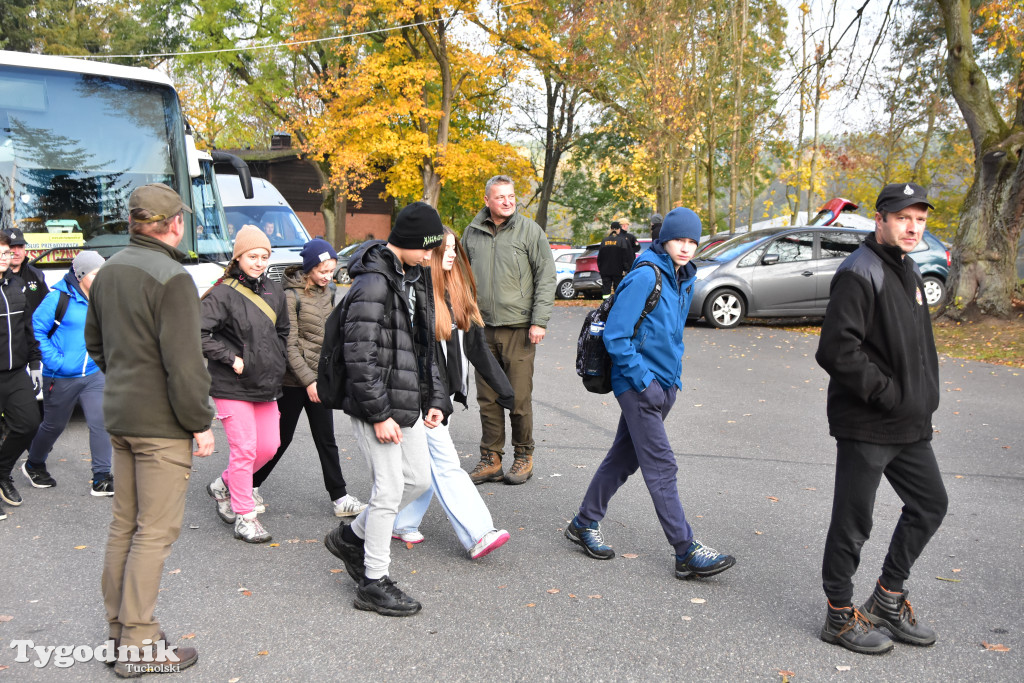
(35, 282)
(393, 390)
(877, 347)
(612, 259)
(18, 389)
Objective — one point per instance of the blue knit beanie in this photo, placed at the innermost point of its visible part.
(680, 224)
(315, 252)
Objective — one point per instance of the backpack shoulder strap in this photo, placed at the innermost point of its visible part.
(58, 314)
(653, 298)
(251, 296)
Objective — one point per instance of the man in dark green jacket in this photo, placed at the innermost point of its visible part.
(142, 330)
(515, 275)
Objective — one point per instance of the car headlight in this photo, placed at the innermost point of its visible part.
(704, 271)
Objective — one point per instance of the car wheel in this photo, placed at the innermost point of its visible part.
(565, 290)
(724, 309)
(934, 291)
(342, 276)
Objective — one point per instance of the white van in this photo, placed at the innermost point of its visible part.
(268, 211)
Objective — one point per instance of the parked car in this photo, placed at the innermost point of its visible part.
(269, 211)
(587, 280)
(787, 272)
(565, 266)
(341, 275)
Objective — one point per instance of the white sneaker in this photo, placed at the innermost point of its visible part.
(220, 493)
(408, 536)
(249, 529)
(492, 540)
(348, 506)
(261, 506)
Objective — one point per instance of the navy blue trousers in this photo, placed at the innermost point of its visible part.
(641, 443)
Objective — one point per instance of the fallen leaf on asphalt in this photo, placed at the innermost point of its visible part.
(572, 595)
(293, 540)
(235, 679)
(759, 533)
(955, 571)
(631, 556)
(81, 547)
(274, 545)
(958, 476)
(686, 618)
(262, 652)
(413, 571)
(175, 571)
(842, 667)
(698, 601)
(246, 593)
(409, 545)
(594, 597)
(312, 540)
(772, 499)
(502, 586)
(553, 591)
(337, 571)
(810, 488)
(555, 475)
(188, 636)
(531, 604)
(4, 667)
(995, 647)
(943, 578)
(783, 672)
(242, 589)
(5, 617)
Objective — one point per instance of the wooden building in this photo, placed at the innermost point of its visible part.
(296, 179)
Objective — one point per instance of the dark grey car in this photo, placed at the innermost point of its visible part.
(778, 272)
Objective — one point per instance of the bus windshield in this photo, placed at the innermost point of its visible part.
(73, 146)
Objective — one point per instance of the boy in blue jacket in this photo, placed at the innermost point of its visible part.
(69, 377)
(645, 377)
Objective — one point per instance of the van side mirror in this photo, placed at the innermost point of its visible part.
(769, 259)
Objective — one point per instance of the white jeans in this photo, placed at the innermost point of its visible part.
(400, 474)
(458, 494)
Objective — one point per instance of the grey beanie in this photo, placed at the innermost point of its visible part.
(85, 262)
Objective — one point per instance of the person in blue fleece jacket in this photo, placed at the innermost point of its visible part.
(645, 377)
(69, 376)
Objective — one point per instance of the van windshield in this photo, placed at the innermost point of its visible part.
(279, 222)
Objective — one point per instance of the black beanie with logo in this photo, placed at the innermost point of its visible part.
(417, 227)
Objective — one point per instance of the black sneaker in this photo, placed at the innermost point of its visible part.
(701, 561)
(38, 476)
(8, 493)
(590, 539)
(350, 553)
(846, 626)
(893, 611)
(384, 597)
(103, 485)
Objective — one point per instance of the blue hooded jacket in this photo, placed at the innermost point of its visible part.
(656, 352)
(64, 353)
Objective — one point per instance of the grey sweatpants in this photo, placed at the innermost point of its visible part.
(401, 473)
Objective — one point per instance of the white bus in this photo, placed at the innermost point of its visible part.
(76, 138)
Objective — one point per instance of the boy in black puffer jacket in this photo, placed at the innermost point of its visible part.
(392, 392)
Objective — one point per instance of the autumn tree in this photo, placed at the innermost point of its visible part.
(992, 216)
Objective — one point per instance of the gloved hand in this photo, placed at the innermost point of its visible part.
(37, 380)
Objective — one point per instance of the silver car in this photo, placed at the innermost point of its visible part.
(778, 272)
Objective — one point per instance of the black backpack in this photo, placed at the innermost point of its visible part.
(593, 363)
(330, 371)
(58, 314)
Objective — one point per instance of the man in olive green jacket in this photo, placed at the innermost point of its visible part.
(515, 275)
(142, 330)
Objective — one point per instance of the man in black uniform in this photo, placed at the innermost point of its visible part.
(877, 347)
(611, 259)
(35, 283)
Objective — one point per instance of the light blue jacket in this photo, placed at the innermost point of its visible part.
(656, 352)
(64, 353)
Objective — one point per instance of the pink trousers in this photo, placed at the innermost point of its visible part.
(254, 434)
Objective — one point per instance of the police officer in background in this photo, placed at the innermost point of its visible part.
(35, 283)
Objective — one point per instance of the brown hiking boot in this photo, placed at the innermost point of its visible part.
(488, 469)
(521, 470)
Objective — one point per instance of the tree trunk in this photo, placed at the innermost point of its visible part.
(992, 216)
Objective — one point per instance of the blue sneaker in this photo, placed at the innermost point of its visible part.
(590, 539)
(700, 560)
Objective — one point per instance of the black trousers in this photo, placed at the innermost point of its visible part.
(321, 423)
(609, 282)
(914, 474)
(18, 405)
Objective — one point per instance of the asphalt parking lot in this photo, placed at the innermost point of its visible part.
(756, 470)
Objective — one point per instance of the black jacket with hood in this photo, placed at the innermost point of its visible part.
(877, 347)
(18, 345)
(390, 369)
(234, 326)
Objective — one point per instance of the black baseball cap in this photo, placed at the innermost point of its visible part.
(896, 196)
(16, 236)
